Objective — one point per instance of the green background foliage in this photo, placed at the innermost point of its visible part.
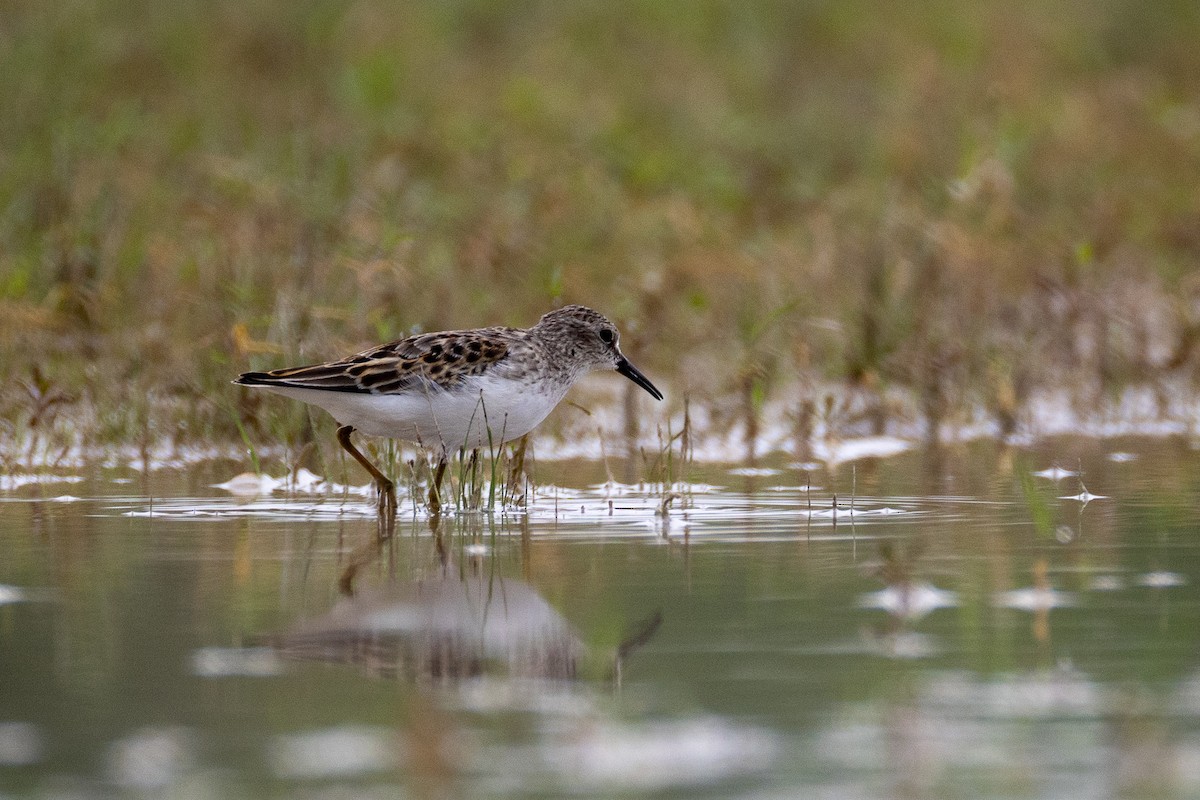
(968, 200)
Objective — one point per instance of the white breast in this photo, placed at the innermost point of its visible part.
(507, 409)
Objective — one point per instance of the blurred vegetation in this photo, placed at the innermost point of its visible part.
(968, 201)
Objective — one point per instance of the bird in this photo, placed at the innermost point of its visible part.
(456, 390)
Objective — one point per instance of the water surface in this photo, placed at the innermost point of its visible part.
(940, 632)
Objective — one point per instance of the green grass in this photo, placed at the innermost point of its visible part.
(943, 197)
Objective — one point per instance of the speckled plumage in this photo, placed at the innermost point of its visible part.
(468, 388)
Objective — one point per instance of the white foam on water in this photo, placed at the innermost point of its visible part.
(224, 662)
(604, 755)
(1055, 473)
(151, 759)
(21, 744)
(339, 752)
(12, 594)
(753, 472)
(1034, 599)
(910, 601)
(865, 447)
(1162, 580)
(247, 484)
(10, 482)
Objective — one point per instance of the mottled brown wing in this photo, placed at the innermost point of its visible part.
(422, 362)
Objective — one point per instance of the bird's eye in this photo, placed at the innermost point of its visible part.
(606, 335)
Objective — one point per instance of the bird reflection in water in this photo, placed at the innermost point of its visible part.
(456, 622)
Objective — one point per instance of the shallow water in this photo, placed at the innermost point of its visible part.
(942, 632)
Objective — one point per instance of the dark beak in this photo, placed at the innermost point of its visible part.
(631, 372)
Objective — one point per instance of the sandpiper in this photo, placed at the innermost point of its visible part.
(456, 390)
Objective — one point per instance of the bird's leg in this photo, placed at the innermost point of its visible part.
(435, 486)
(387, 489)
